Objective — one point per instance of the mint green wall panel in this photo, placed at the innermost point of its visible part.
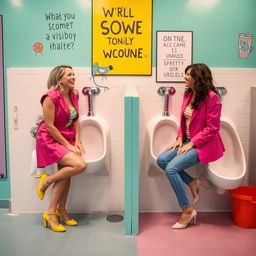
(215, 30)
(65, 24)
(127, 165)
(135, 165)
(131, 161)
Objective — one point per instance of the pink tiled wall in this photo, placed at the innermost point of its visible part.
(90, 193)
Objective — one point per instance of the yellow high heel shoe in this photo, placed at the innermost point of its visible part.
(56, 228)
(70, 222)
(41, 182)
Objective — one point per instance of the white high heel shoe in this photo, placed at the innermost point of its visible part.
(191, 217)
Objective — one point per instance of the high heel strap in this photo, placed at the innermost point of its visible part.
(56, 228)
(41, 184)
(61, 209)
(70, 222)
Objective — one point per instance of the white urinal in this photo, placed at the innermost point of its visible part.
(161, 132)
(95, 136)
(229, 171)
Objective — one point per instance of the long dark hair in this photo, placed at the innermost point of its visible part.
(203, 82)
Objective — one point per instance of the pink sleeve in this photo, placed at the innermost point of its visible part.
(179, 134)
(48, 94)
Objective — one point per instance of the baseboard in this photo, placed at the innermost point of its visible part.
(4, 203)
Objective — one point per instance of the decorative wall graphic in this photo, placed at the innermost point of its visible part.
(38, 47)
(121, 35)
(245, 45)
(60, 35)
(96, 69)
(100, 70)
(174, 53)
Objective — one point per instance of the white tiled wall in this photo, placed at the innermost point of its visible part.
(91, 193)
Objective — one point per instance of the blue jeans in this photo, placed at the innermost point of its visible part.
(174, 166)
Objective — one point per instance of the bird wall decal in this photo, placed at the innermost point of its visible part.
(96, 69)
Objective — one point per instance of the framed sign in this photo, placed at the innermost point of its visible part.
(174, 54)
(121, 37)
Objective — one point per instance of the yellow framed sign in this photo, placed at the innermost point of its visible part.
(122, 37)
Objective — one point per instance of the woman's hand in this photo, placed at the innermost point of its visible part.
(176, 144)
(184, 149)
(75, 149)
(80, 146)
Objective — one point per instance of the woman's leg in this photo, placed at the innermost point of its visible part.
(165, 157)
(71, 164)
(63, 200)
(64, 196)
(56, 194)
(173, 169)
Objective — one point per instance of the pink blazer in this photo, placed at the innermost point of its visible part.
(204, 127)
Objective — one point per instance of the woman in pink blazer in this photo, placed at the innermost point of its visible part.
(58, 141)
(198, 138)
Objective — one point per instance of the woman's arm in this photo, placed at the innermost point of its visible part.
(77, 139)
(49, 118)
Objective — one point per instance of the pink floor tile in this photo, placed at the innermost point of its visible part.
(214, 234)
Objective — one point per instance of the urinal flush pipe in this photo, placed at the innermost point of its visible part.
(89, 91)
(221, 92)
(166, 92)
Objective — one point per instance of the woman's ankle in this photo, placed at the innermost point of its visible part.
(187, 210)
(193, 183)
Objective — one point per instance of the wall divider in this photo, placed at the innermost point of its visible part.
(131, 161)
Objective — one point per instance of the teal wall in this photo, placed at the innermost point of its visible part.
(215, 34)
(215, 30)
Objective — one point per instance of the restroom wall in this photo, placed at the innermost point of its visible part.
(92, 193)
(88, 192)
(155, 191)
(216, 26)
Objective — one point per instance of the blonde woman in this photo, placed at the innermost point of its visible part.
(58, 141)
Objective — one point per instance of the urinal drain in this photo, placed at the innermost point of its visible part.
(114, 218)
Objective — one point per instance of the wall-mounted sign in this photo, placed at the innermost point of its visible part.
(174, 54)
(122, 36)
(61, 35)
(245, 45)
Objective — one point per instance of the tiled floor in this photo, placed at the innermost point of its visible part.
(25, 235)
(213, 235)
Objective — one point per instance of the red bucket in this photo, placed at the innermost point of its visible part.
(244, 206)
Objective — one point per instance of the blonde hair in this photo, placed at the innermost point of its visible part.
(54, 77)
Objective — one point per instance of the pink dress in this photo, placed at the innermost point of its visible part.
(48, 150)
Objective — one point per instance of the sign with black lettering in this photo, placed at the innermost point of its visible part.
(121, 36)
(174, 54)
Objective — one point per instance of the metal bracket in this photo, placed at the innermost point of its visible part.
(221, 91)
